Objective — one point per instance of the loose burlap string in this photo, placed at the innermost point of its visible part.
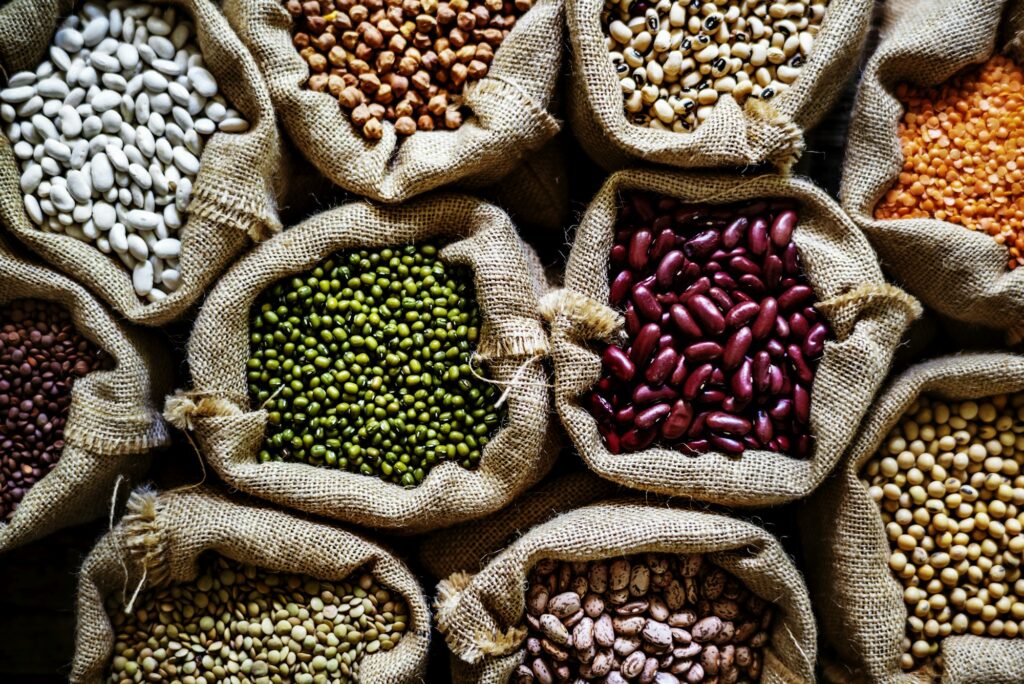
(233, 196)
(858, 599)
(162, 537)
(112, 422)
(509, 107)
(959, 272)
(480, 614)
(867, 317)
(509, 282)
(469, 546)
(755, 133)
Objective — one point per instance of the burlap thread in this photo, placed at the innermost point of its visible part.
(859, 601)
(233, 200)
(867, 317)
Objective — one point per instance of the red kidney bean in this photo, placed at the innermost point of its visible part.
(644, 343)
(728, 423)
(782, 228)
(678, 420)
(724, 336)
(735, 231)
(814, 342)
(661, 366)
(646, 303)
(736, 348)
(639, 245)
(765, 320)
(704, 310)
(650, 416)
(703, 351)
(741, 313)
(684, 321)
(668, 267)
(618, 363)
(620, 288)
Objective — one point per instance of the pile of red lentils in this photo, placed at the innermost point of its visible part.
(404, 61)
(961, 144)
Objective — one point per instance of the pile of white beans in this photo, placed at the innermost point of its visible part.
(109, 131)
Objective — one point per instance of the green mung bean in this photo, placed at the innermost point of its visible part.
(363, 364)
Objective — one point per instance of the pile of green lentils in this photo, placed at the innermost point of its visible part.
(236, 622)
(363, 364)
(949, 483)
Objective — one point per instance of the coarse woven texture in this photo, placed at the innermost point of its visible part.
(113, 420)
(480, 615)
(960, 273)
(513, 342)
(232, 199)
(760, 131)
(848, 553)
(867, 317)
(536, 193)
(469, 546)
(161, 537)
(509, 107)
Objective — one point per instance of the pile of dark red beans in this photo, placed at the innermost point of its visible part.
(723, 336)
(41, 356)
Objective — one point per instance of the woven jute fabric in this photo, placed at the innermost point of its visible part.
(159, 542)
(536, 193)
(508, 281)
(232, 198)
(113, 421)
(760, 131)
(867, 317)
(959, 272)
(469, 546)
(859, 601)
(480, 614)
(509, 107)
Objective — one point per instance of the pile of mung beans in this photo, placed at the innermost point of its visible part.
(364, 364)
(109, 130)
(41, 357)
(949, 485)
(236, 622)
(723, 336)
(961, 154)
(676, 58)
(404, 61)
(651, 618)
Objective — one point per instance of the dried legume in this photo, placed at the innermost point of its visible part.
(236, 622)
(653, 617)
(109, 130)
(949, 485)
(961, 143)
(41, 357)
(723, 335)
(364, 364)
(675, 58)
(405, 61)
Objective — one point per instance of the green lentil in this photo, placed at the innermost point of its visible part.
(250, 620)
(363, 364)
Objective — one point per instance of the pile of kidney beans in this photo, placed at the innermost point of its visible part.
(723, 337)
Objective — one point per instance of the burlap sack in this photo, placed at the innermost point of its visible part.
(510, 110)
(867, 317)
(480, 614)
(113, 421)
(959, 272)
(536, 193)
(859, 601)
(232, 199)
(760, 131)
(161, 537)
(512, 344)
(468, 547)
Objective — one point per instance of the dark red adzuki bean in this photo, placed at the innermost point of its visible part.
(724, 339)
